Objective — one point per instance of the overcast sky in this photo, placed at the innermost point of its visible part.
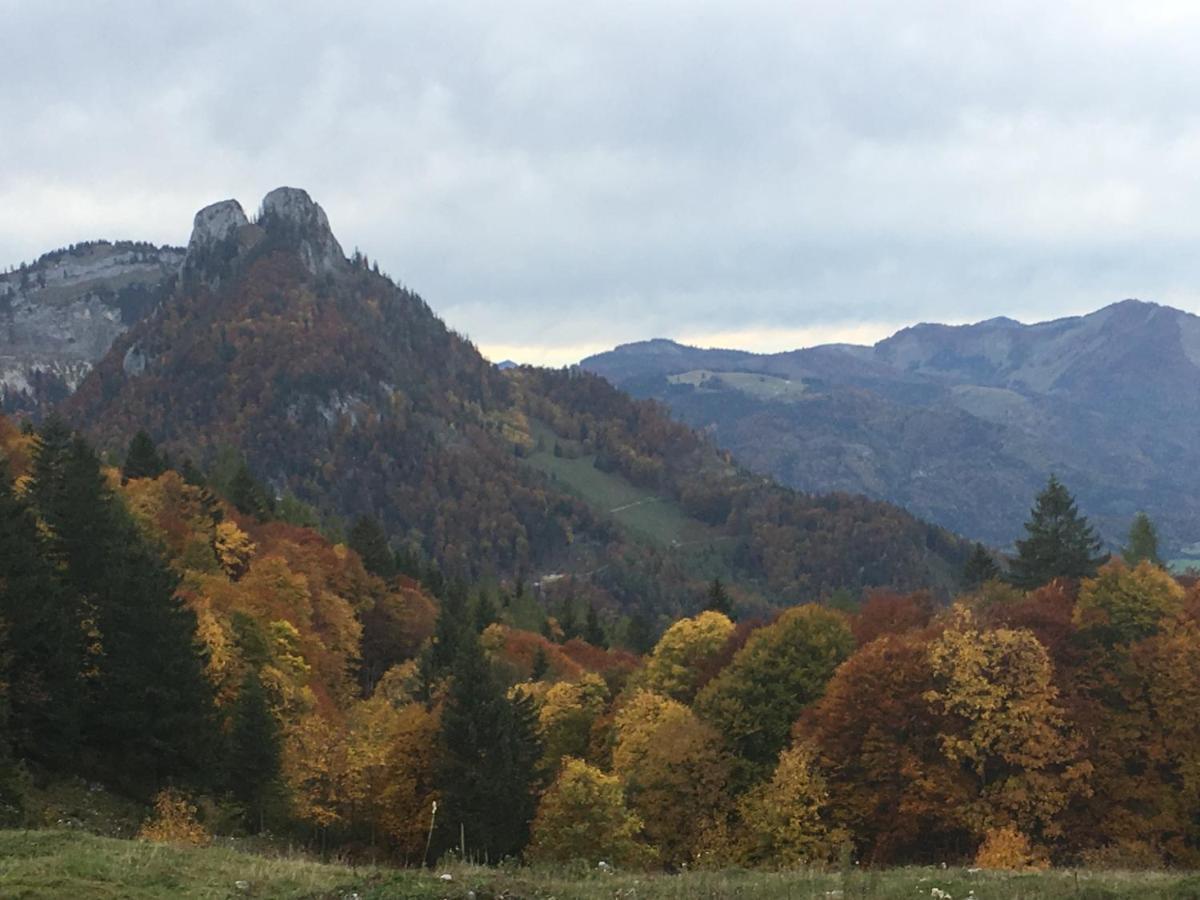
(555, 178)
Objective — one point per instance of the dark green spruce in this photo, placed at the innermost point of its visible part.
(1059, 543)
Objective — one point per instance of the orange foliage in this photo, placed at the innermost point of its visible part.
(887, 612)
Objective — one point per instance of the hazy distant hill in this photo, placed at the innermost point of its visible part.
(961, 424)
(346, 390)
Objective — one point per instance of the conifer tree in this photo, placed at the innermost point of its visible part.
(717, 599)
(1143, 542)
(451, 630)
(593, 633)
(142, 459)
(254, 748)
(367, 539)
(490, 753)
(248, 496)
(1060, 542)
(980, 568)
(541, 665)
(148, 701)
(43, 636)
(485, 612)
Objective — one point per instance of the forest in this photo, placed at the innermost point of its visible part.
(190, 644)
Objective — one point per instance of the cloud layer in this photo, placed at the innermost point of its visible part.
(556, 178)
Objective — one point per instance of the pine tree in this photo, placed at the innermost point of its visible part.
(254, 748)
(592, 632)
(1060, 542)
(541, 665)
(1143, 542)
(717, 599)
(980, 568)
(490, 753)
(368, 540)
(485, 612)
(248, 496)
(142, 459)
(43, 636)
(451, 630)
(148, 701)
(569, 621)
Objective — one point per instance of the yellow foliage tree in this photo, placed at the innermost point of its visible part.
(582, 816)
(174, 821)
(676, 770)
(315, 771)
(1006, 848)
(784, 821)
(1002, 724)
(677, 659)
(566, 716)
(408, 793)
(234, 549)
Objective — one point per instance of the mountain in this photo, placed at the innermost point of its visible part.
(344, 390)
(961, 424)
(60, 314)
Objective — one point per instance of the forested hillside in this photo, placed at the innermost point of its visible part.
(344, 390)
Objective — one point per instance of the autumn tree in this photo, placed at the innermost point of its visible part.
(488, 765)
(676, 770)
(782, 668)
(409, 785)
(583, 816)
(1121, 605)
(1002, 722)
(679, 655)
(877, 744)
(566, 716)
(1143, 542)
(1059, 542)
(785, 821)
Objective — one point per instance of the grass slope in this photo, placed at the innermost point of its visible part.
(59, 864)
(660, 519)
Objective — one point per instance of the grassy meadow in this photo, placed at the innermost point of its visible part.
(72, 864)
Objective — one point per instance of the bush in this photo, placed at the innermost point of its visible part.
(174, 821)
(1006, 848)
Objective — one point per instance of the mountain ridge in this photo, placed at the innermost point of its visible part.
(1105, 399)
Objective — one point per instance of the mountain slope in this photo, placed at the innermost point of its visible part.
(346, 390)
(961, 424)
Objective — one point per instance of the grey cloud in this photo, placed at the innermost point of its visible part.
(549, 173)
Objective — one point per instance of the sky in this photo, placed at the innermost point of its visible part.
(557, 178)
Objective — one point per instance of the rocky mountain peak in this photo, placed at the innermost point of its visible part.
(291, 213)
(215, 223)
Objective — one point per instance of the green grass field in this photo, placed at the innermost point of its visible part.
(641, 511)
(70, 864)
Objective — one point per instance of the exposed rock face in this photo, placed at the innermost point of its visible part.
(61, 314)
(291, 214)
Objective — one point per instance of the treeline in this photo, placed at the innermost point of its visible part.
(159, 639)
